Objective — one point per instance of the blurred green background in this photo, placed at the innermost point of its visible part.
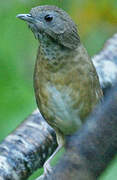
(96, 20)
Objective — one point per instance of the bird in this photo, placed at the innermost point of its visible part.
(66, 83)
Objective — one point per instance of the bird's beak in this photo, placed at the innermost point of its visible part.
(27, 18)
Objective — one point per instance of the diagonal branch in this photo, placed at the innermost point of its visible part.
(89, 151)
(106, 64)
(27, 148)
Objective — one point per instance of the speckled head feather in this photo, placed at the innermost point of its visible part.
(62, 29)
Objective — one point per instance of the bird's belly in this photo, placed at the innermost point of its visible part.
(58, 108)
(65, 99)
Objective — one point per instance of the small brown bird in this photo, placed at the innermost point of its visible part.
(65, 81)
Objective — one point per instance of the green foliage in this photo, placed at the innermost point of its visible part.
(96, 20)
(111, 172)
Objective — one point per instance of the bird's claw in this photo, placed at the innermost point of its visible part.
(47, 169)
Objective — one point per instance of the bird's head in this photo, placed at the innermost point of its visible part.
(53, 22)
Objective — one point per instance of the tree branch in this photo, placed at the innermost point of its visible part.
(27, 148)
(89, 151)
(106, 64)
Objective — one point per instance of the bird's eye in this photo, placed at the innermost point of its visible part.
(48, 17)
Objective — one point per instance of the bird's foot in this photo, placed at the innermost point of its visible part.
(47, 168)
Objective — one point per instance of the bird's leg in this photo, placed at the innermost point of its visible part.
(47, 166)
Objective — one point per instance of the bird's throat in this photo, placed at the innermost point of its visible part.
(51, 49)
